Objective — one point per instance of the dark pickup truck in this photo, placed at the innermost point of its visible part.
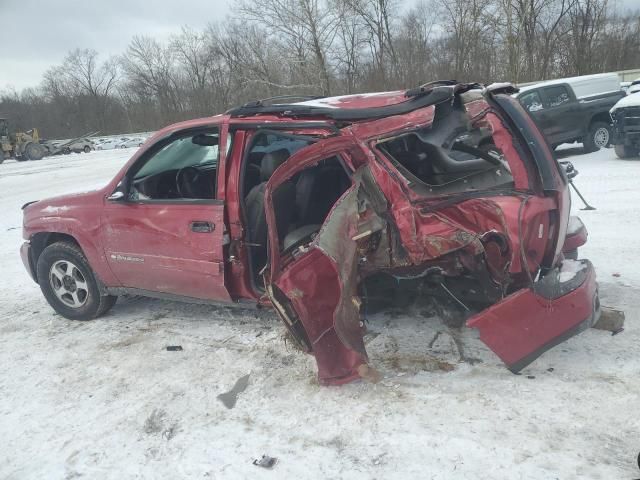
(564, 117)
(626, 124)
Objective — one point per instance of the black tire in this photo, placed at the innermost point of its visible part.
(123, 146)
(66, 150)
(623, 151)
(86, 149)
(599, 136)
(94, 304)
(34, 151)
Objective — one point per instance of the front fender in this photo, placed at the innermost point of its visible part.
(85, 233)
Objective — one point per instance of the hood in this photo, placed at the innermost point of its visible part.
(631, 100)
(62, 205)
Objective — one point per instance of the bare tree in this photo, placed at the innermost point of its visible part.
(306, 26)
(378, 16)
(150, 72)
(277, 47)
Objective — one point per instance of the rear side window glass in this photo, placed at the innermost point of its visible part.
(557, 95)
(531, 101)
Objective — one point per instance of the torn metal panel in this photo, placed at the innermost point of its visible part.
(531, 321)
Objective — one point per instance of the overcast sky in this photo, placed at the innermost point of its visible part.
(36, 34)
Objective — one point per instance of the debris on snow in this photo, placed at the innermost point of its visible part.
(266, 462)
(611, 319)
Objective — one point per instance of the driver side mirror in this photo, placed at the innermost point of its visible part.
(116, 196)
(120, 193)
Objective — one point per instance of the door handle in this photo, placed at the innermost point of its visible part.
(199, 226)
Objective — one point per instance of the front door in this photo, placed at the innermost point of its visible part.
(167, 232)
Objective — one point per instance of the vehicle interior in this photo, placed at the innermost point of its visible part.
(450, 156)
(184, 168)
(300, 204)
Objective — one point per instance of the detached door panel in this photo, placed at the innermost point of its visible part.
(170, 248)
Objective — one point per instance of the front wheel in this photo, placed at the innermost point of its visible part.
(87, 149)
(34, 151)
(68, 283)
(123, 146)
(623, 151)
(599, 136)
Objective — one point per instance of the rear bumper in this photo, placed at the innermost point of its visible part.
(529, 322)
(25, 254)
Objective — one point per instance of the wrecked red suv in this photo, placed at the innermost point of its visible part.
(448, 190)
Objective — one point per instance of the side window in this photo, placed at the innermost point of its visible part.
(185, 168)
(557, 95)
(531, 101)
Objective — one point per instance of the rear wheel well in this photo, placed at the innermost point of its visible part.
(42, 240)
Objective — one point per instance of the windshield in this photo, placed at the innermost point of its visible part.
(179, 154)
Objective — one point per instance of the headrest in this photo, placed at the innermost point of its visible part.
(271, 161)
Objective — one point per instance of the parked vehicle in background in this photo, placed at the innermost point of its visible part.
(131, 142)
(81, 145)
(574, 109)
(634, 87)
(626, 123)
(319, 208)
(108, 144)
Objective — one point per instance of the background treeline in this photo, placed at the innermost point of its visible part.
(326, 47)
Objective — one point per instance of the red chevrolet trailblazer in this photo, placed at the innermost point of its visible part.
(447, 190)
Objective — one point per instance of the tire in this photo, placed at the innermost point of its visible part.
(66, 278)
(66, 150)
(599, 136)
(123, 146)
(34, 151)
(86, 149)
(623, 152)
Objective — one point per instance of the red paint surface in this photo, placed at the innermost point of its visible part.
(524, 322)
(575, 239)
(312, 285)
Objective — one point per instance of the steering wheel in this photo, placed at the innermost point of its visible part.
(187, 180)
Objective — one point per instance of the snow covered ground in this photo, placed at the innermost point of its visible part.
(104, 399)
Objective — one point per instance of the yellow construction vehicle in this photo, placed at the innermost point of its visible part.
(21, 145)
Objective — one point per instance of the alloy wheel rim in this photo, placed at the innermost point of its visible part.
(68, 284)
(601, 137)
